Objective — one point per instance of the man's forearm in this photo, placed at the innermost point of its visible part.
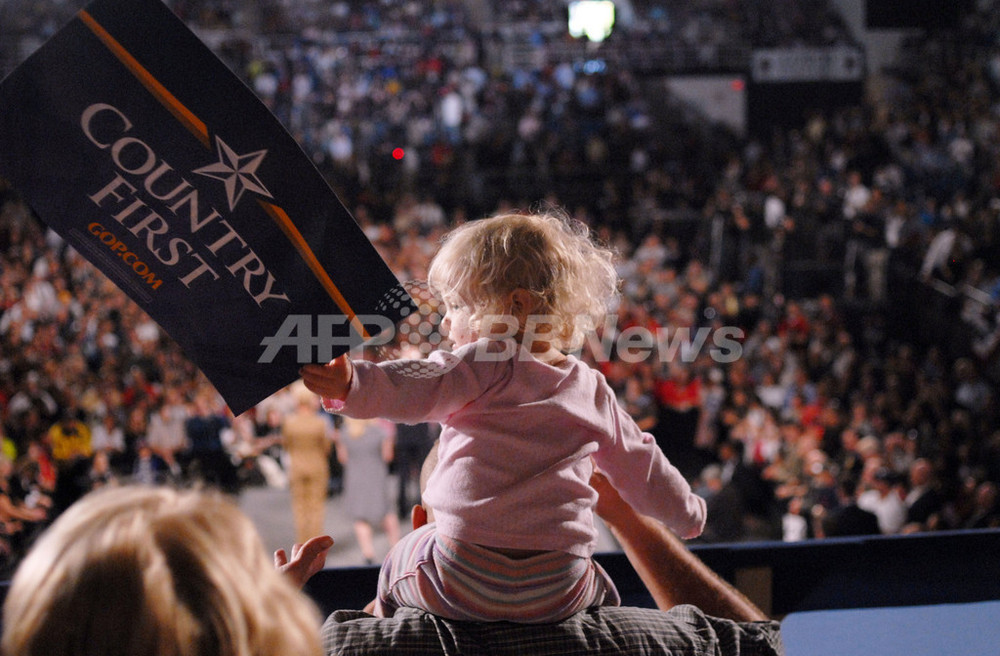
(672, 574)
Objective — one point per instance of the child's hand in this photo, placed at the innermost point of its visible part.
(331, 381)
(307, 559)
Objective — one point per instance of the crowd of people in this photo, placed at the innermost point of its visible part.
(792, 412)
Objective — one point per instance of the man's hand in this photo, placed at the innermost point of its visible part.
(610, 504)
(419, 517)
(307, 559)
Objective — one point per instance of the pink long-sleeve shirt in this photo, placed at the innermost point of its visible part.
(518, 435)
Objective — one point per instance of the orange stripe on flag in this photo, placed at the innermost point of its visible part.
(167, 99)
(285, 223)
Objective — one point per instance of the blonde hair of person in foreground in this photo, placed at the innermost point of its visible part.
(143, 571)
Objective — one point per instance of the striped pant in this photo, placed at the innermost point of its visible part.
(462, 581)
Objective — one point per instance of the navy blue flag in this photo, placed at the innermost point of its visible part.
(130, 139)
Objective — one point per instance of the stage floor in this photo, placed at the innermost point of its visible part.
(271, 511)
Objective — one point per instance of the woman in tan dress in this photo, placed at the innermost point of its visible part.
(307, 437)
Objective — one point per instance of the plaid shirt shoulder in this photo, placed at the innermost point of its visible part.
(682, 631)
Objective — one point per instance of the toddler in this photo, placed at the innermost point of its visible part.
(523, 424)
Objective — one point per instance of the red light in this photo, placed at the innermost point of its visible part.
(737, 85)
(397, 153)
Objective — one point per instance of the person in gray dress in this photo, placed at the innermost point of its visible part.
(365, 450)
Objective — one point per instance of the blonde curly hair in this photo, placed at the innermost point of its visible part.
(571, 277)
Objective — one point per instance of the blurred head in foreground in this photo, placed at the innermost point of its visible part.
(143, 571)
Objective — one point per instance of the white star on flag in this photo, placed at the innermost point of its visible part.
(238, 172)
